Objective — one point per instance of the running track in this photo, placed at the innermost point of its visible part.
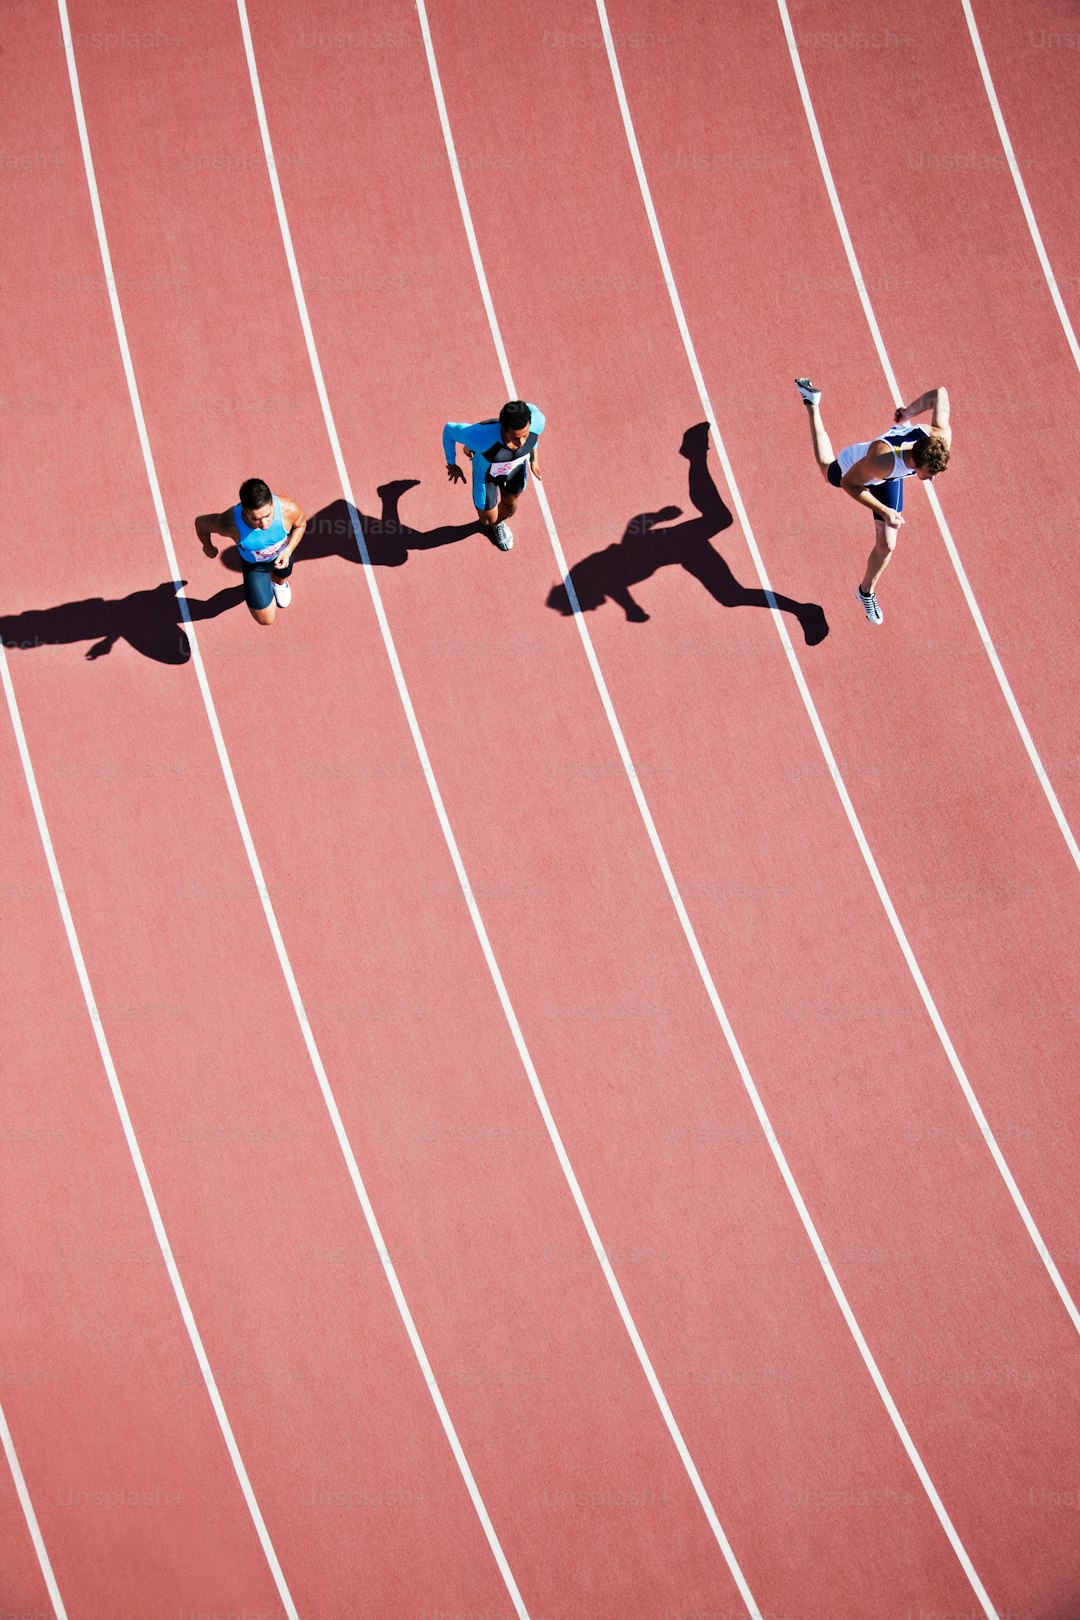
(585, 1196)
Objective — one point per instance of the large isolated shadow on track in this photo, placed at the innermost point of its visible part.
(644, 548)
(150, 620)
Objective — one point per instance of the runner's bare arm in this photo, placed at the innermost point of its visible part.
(297, 522)
(214, 523)
(935, 400)
(877, 463)
(939, 422)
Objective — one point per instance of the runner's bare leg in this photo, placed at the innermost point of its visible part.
(823, 449)
(878, 560)
(498, 514)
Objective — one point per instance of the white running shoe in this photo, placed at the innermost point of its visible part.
(806, 388)
(502, 537)
(870, 606)
(282, 592)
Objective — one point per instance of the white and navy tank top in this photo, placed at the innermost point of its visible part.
(260, 545)
(900, 437)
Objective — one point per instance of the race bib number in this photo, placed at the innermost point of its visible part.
(268, 551)
(503, 469)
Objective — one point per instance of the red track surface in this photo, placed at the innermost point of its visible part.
(140, 1509)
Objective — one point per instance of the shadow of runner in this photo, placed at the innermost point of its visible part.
(149, 621)
(644, 548)
(389, 541)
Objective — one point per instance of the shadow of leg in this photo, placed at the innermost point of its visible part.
(704, 494)
(708, 567)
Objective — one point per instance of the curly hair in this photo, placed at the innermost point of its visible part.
(932, 453)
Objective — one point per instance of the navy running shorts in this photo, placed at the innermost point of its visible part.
(259, 580)
(496, 488)
(889, 493)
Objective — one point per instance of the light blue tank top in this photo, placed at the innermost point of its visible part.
(260, 545)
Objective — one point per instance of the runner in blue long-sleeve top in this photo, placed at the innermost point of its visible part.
(502, 451)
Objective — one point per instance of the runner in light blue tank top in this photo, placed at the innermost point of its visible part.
(260, 545)
(267, 529)
(874, 472)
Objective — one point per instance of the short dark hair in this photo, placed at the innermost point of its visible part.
(932, 452)
(515, 414)
(254, 493)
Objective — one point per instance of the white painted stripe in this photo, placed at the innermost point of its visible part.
(811, 709)
(646, 813)
(9, 1445)
(271, 920)
(346, 1148)
(594, 1236)
(440, 808)
(69, 926)
(935, 504)
(1021, 189)
(785, 1170)
(129, 1132)
(984, 634)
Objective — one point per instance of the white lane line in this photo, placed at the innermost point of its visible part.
(935, 504)
(1021, 189)
(272, 923)
(9, 1445)
(632, 776)
(76, 949)
(811, 709)
(132, 1141)
(815, 720)
(646, 814)
(444, 820)
(849, 809)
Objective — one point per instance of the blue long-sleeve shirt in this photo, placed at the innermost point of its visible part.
(488, 450)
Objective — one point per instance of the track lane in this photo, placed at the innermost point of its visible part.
(130, 1481)
(828, 762)
(240, 1151)
(951, 892)
(528, 261)
(1031, 54)
(519, 1357)
(337, 84)
(898, 398)
(1033, 1019)
(23, 1583)
(994, 336)
(586, 768)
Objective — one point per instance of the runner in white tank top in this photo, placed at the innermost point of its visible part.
(874, 471)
